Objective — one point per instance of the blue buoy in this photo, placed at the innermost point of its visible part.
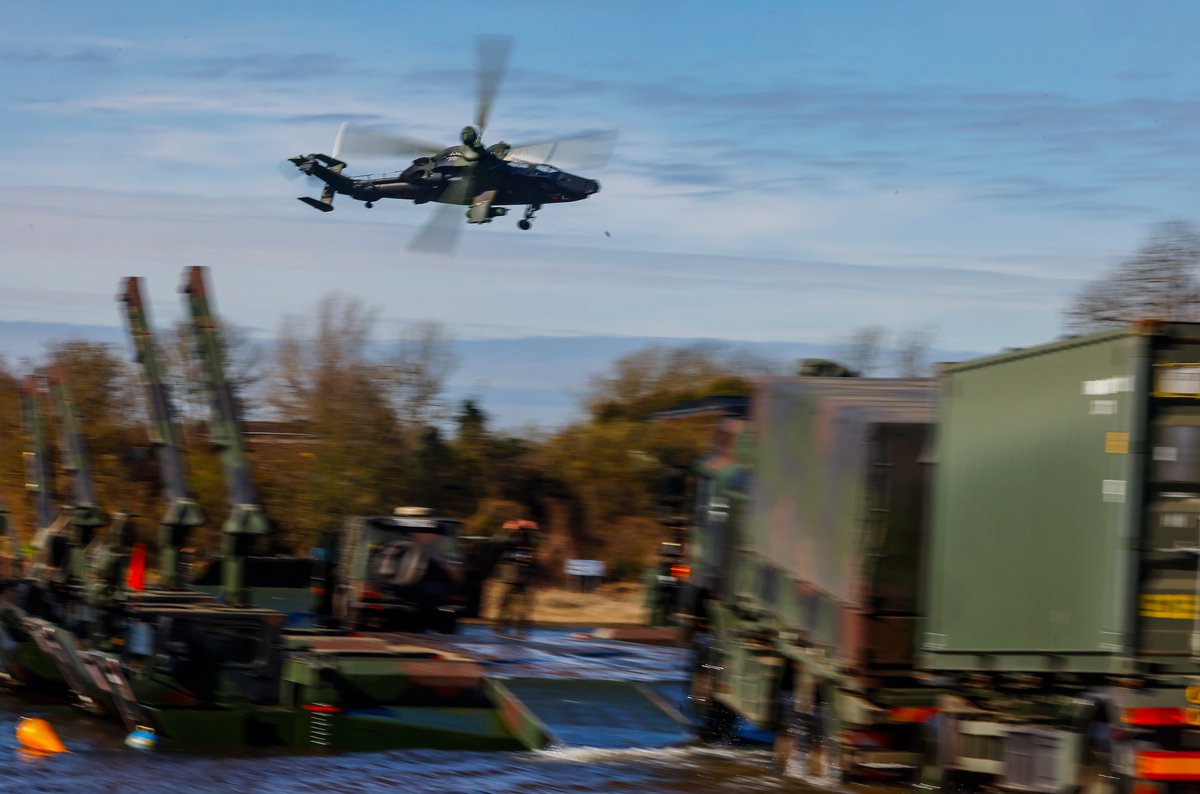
(141, 738)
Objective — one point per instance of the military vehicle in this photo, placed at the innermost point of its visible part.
(227, 674)
(397, 573)
(1006, 597)
(53, 590)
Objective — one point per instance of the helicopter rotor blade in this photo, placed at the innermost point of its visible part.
(587, 151)
(440, 232)
(289, 171)
(367, 142)
(492, 62)
(339, 141)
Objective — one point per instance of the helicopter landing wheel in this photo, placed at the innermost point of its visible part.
(524, 224)
(370, 204)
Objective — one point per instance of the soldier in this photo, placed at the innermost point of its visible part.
(515, 572)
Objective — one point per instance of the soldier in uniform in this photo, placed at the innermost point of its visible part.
(515, 572)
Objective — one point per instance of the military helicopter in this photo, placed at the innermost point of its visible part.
(485, 179)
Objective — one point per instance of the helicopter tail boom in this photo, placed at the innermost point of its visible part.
(328, 170)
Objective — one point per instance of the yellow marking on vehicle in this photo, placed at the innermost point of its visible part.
(1172, 606)
(1116, 443)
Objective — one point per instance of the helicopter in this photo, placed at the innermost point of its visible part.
(486, 179)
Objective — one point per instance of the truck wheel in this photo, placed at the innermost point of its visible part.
(1099, 773)
(1098, 770)
(718, 722)
(816, 754)
(1099, 778)
(817, 760)
(445, 622)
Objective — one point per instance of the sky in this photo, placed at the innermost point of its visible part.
(785, 172)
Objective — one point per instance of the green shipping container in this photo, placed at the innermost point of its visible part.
(1066, 505)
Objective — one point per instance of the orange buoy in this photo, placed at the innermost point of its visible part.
(36, 734)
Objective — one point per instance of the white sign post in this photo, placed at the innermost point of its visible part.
(584, 574)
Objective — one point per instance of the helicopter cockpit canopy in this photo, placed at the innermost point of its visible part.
(534, 169)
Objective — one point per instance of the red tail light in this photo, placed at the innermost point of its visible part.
(1154, 716)
(680, 571)
(321, 708)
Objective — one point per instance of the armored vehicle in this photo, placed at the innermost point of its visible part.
(398, 572)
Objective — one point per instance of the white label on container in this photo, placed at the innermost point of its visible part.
(1104, 386)
(1169, 454)
(1113, 490)
(1103, 407)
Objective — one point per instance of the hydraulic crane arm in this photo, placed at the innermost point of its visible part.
(182, 512)
(37, 470)
(87, 517)
(247, 519)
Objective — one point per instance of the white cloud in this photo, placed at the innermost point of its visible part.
(266, 266)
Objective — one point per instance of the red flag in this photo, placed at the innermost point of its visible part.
(136, 580)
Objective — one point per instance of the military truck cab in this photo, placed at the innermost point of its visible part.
(397, 572)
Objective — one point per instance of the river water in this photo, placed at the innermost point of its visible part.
(98, 761)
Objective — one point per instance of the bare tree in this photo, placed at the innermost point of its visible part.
(1158, 282)
(863, 350)
(316, 361)
(420, 363)
(911, 354)
(326, 382)
(184, 373)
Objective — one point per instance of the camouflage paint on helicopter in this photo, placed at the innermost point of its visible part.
(485, 179)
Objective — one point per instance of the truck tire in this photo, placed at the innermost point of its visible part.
(816, 755)
(1098, 767)
(817, 759)
(445, 621)
(1097, 777)
(718, 723)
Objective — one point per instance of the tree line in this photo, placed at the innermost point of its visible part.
(340, 424)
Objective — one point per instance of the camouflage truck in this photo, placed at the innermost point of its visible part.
(1003, 598)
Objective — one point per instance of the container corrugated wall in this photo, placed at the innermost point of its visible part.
(1035, 469)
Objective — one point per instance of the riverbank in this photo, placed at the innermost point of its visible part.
(615, 604)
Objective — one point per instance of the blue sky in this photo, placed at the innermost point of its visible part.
(785, 172)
